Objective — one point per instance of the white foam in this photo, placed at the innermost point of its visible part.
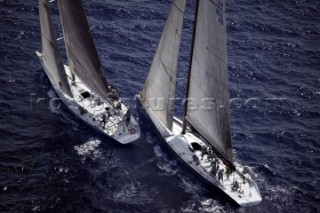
(197, 204)
(54, 102)
(167, 169)
(150, 138)
(90, 148)
(202, 204)
(278, 190)
(278, 194)
(210, 205)
(158, 152)
(190, 187)
(133, 193)
(51, 93)
(54, 107)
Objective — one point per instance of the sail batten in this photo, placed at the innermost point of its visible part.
(50, 49)
(208, 80)
(159, 89)
(82, 55)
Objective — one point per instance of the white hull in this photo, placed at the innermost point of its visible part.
(247, 195)
(91, 111)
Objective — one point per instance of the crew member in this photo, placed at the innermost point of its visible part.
(220, 175)
(127, 117)
(104, 120)
(118, 105)
(235, 186)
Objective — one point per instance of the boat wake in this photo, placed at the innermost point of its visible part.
(133, 193)
(54, 103)
(199, 203)
(280, 195)
(89, 149)
(55, 107)
(168, 167)
(189, 186)
(206, 205)
(159, 153)
(210, 205)
(150, 138)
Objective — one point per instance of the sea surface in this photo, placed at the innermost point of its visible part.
(52, 162)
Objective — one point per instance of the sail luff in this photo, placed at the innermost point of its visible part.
(82, 55)
(209, 78)
(50, 49)
(159, 89)
(184, 124)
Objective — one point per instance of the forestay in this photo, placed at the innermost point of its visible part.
(208, 84)
(50, 50)
(159, 89)
(83, 58)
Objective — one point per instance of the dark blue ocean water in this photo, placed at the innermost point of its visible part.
(51, 162)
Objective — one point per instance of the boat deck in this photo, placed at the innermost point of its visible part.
(101, 114)
(238, 184)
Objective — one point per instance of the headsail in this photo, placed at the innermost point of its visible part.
(159, 89)
(50, 49)
(209, 78)
(83, 58)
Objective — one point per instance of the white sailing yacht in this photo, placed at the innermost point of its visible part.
(81, 85)
(202, 140)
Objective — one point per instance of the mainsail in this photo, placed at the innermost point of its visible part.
(83, 58)
(208, 80)
(50, 50)
(159, 89)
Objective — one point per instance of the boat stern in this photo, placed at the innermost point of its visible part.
(132, 132)
(247, 193)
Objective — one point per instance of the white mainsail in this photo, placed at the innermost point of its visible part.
(159, 89)
(83, 58)
(50, 51)
(208, 80)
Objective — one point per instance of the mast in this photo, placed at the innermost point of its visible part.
(184, 125)
(50, 50)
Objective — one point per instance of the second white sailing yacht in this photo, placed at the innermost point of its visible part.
(81, 85)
